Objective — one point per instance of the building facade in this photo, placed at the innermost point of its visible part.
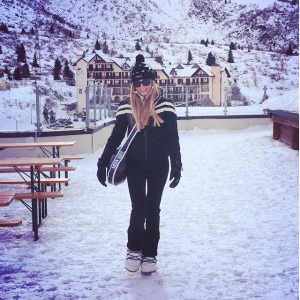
(199, 85)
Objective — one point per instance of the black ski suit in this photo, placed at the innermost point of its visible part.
(147, 170)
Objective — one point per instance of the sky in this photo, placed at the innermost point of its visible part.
(260, 3)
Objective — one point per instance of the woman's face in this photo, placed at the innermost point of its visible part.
(143, 87)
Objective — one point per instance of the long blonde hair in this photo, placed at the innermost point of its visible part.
(143, 110)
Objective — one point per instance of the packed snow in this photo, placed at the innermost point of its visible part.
(229, 230)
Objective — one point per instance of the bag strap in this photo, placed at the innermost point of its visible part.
(125, 145)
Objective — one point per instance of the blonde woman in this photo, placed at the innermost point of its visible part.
(148, 162)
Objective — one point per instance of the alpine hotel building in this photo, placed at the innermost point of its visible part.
(201, 84)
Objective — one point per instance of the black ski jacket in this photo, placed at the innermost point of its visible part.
(152, 142)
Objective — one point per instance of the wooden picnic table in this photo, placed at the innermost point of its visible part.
(55, 146)
(36, 194)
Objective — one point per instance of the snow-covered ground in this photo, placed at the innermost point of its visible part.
(228, 231)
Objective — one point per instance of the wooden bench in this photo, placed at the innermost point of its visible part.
(67, 159)
(42, 181)
(42, 169)
(37, 195)
(5, 199)
(10, 223)
(286, 127)
(45, 182)
(38, 211)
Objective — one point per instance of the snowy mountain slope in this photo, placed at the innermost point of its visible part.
(167, 28)
(78, 24)
(186, 21)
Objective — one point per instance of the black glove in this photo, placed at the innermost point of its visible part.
(175, 173)
(101, 173)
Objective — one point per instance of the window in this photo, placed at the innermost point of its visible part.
(204, 88)
(80, 91)
(204, 96)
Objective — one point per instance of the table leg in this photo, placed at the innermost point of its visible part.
(34, 208)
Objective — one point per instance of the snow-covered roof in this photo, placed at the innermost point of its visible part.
(178, 70)
(207, 70)
(182, 70)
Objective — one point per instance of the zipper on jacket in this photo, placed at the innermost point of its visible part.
(146, 144)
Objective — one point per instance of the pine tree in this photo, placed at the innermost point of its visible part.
(190, 57)
(35, 63)
(230, 57)
(289, 51)
(97, 45)
(137, 46)
(51, 30)
(21, 53)
(211, 60)
(25, 71)
(6, 70)
(232, 46)
(32, 31)
(3, 27)
(57, 70)
(67, 73)
(1, 50)
(17, 74)
(105, 48)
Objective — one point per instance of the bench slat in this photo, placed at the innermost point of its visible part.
(71, 157)
(10, 223)
(38, 195)
(6, 198)
(43, 180)
(42, 169)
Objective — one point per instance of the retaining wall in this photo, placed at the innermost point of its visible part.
(90, 140)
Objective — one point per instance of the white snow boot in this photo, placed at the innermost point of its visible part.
(149, 264)
(133, 260)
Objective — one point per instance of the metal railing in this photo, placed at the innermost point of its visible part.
(98, 103)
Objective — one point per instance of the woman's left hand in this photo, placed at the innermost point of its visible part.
(175, 176)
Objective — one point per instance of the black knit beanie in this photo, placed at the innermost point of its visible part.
(141, 70)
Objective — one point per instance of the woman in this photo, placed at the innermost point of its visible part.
(148, 164)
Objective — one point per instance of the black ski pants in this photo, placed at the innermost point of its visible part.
(146, 181)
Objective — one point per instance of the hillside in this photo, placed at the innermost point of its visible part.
(58, 29)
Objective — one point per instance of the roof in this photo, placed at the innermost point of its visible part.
(178, 70)
(182, 70)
